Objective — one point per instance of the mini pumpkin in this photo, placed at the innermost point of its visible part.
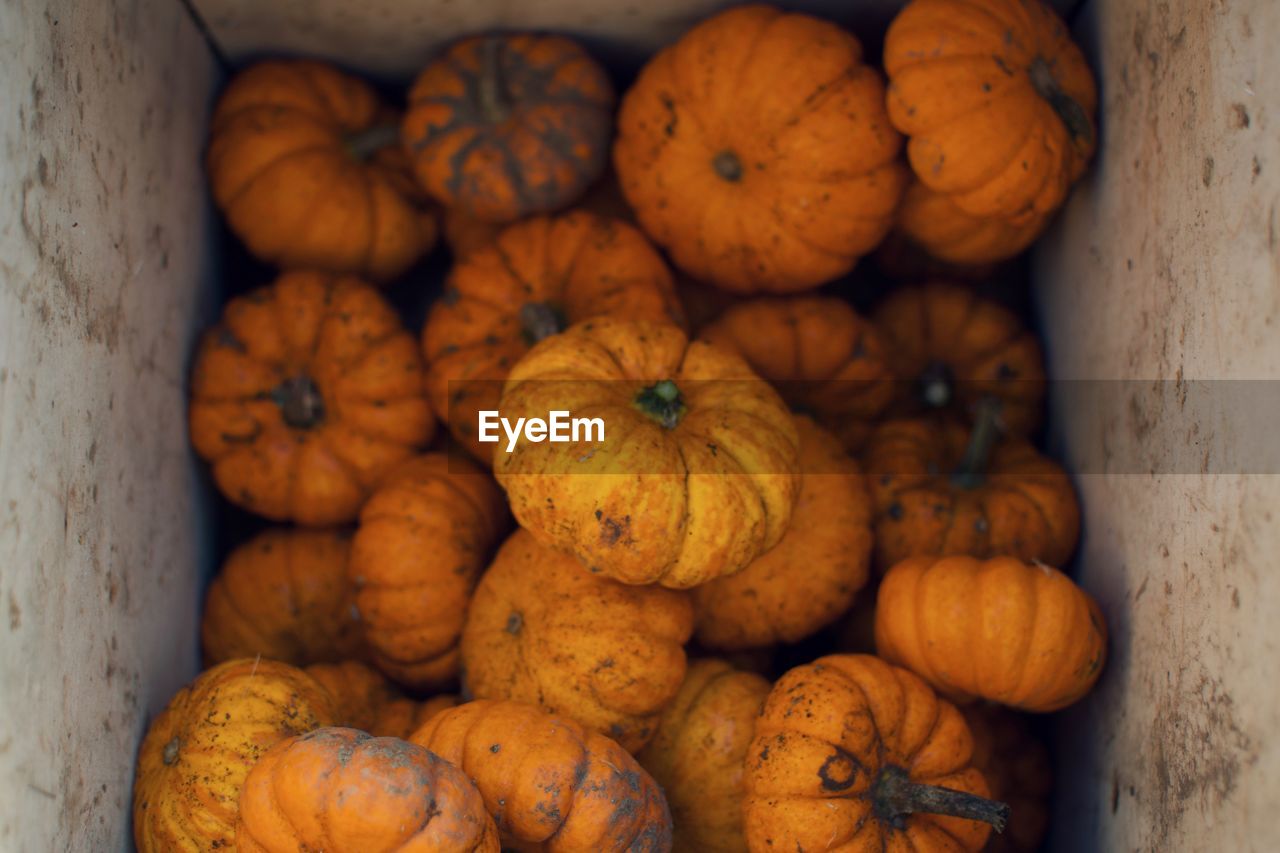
(756, 150)
(359, 692)
(952, 348)
(402, 717)
(698, 753)
(854, 754)
(551, 784)
(198, 751)
(1016, 766)
(283, 595)
(543, 630)
(305, 162)
(695, 475)
(939, 488)
(508, 126)
(822, 357)
(997, 101)
(534, 280)
(424, 537)
(810, 577)
(1021, 634)
(344, 791)
(933, 222)
(305, 395)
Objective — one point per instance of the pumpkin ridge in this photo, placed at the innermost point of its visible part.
(261, 172)
(998, 168)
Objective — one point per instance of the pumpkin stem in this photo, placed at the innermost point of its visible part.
(936, 386)
(663, 402)
(728, 166)
(363, 145)
(301, 404)
(982, 440)
(540, 320)
(1067, 108)
(495, 101)
(171, 751)
(895, 798)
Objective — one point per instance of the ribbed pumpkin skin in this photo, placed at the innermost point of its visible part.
(699, 753)
(967, 85)
(551, 784)
(1016, 633)
(402, 717)
(756, 150)
(508, 126)
(1024, 507)
(340, 790)
(980, 345)
(810, 577)
(359, 692)
(283, 595)
(198, 751)
(826, 731)
(932, 221)
(1016, 766)
(676, 505)
(286, 166)
(423, 540)
(305, 394)
(568, 268)
(543, 630)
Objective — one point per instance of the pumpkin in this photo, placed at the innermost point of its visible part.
(424, 537)
(809, 578)
(402, 717)
(952, 348)
(757, 151)
(550, 783)
(198, 751)
(304, 161)
(508, 126)
(694, 477)
(543, 630)
(698, 753)
(344, 791)
(304, 395)
(854, 754)
(283, 595)
(359, 692)
(1021, 634)
(536, 278)
(939, 488)
(997, 101)
(931, 221)
(1016, 766)
(821, 356)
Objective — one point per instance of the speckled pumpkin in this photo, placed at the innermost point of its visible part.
(1016, 766)
(305, 162)
(340, 790)
(424, 537)
(996, 99)
(359, 691)
(809, 578)
(507, 126)
(756, 150)
(305, 395)
(402, 717)
(198, 751)
(695, 477)
(1017, 633)
(698, 754)
(552, 785)
(543, 630)
(853, 754)
(932, 222)
(537, 277)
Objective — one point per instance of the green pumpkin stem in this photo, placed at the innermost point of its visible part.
(895, 798)
(363, 145)
(495, 100)
(663, 402)
(1068, 109)
(301, 404)
(982, 440)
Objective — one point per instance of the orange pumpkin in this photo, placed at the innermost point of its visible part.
(424, 537)
(822, 357)
(853, 754)
(304, 395)
(507, 126)
(996, 99)
(694, 477)
(952, 348)
(1017, 633)
(809, 578)
(551, 784)
(304, 161)
(698, 753)
(1016, 766)
(198, 751)
(343, 791)
(932, 221)
(359, 692)
(756, 150)
(537, 277)
(402, 717)
(543, 630)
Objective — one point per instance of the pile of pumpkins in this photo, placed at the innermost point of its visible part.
(570, 646)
